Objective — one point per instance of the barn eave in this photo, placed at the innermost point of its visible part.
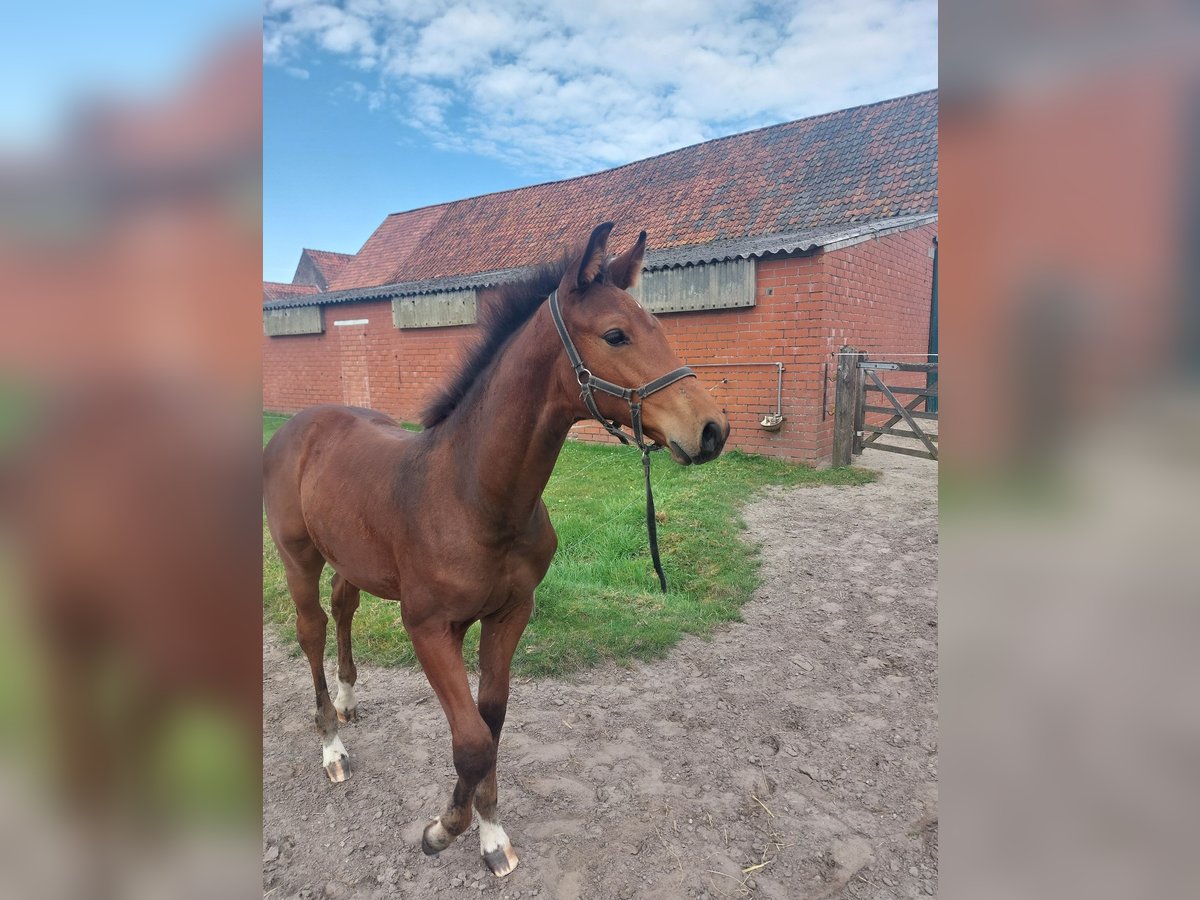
(829, 238)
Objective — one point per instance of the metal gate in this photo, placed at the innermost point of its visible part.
(859, 376)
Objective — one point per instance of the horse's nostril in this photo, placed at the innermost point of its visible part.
(711, 439)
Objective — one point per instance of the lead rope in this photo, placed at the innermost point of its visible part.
(651, 523)
(587, 384)
(635, 418)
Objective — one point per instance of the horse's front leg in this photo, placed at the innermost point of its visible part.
(439, 648)
(497, 643)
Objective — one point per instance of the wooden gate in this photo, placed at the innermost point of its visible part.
(858, 376)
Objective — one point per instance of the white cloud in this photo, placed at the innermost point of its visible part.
(461, 41)
(373, 99)
(575, 87)
(297, 72)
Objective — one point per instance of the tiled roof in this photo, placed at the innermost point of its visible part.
(274, 290)
(387, 251)
(817, 175)
(328, 262)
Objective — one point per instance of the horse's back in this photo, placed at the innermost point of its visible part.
(325, 439)
(328, 424)
(330, 417)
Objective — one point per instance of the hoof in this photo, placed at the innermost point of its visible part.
(435, 838)
(350, 715)
(338, 770)
(501, 861)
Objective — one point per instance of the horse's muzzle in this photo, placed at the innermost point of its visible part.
(712, 440)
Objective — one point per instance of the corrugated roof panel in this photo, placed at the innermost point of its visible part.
(716, 251)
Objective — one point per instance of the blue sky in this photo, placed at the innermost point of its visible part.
(377, 106)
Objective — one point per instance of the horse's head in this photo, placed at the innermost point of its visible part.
(620, 342)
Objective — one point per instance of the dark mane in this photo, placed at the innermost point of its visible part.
(510, 307)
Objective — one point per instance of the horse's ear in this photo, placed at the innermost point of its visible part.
(626, 268)
(593, 257)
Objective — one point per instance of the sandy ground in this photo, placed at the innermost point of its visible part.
(793, 755)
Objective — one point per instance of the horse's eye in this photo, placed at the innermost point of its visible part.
(616, 337)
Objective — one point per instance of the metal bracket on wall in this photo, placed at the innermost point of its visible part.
(772, 421)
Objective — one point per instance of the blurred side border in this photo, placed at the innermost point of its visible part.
(130, 577)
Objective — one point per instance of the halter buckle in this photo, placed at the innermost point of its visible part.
(584, 377)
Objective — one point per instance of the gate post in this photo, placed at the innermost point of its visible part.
(845, 405)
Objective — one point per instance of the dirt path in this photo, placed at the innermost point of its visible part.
(794, 755)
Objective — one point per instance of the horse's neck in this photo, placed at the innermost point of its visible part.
(509, 430)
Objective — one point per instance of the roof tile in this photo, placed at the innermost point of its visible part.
(328, 262)
(274, 290)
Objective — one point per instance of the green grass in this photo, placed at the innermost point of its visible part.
(600, 599)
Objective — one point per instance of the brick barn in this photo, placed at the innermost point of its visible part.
(768, 251)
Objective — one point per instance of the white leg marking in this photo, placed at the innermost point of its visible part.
(491, 836)
(344, 700)
(333, 751)
(495, 848)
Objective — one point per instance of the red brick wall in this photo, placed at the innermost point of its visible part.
(873, 295)
(301, 371)
(778, 329)
(375, 364)
(408, 365)
(878, 299)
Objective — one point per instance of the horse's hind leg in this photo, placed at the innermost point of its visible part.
(344, 604)
(303, 566)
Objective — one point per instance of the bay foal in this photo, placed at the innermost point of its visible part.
(450, 522)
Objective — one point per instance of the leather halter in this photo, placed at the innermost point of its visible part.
(589, 384)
